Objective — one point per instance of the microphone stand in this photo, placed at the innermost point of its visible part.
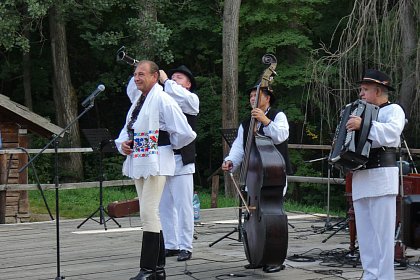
(56, 141)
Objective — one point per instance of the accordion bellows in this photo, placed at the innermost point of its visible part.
(350, 149)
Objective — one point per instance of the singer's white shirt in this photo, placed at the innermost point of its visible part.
(189, 104)
(172, 120)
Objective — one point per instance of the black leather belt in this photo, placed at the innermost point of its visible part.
(382, 157)
(163, 138)
(177, 152)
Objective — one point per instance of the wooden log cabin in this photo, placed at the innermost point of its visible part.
(16, 121)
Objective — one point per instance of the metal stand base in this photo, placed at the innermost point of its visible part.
(341, 225)
(227, 235)
(100, 141)
(102, 220)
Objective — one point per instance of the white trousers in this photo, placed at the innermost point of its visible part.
(375, 224)
(176, 212)
(149, 192)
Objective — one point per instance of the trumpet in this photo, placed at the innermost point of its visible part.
(122, 56)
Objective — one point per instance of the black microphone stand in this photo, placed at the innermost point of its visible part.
(55, 141)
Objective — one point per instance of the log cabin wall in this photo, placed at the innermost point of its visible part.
(14, 205)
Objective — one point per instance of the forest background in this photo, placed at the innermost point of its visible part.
(54, 53)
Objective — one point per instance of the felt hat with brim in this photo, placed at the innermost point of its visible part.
(267, 90)
(184, 70)
(376, 77)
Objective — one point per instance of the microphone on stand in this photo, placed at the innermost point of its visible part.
(92, 96)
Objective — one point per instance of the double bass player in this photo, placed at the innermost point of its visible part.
(271, 123)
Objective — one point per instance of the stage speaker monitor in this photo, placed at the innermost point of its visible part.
(411, 221)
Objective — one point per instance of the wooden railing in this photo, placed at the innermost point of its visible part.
(128, 182)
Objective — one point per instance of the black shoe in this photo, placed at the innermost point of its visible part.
(160, 274)
(171, 252)
(184, 255)
(145, 274)
(273, 268)
(250, 266)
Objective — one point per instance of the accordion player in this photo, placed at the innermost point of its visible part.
(350, 149)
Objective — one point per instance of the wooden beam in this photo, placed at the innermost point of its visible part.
(63, 186)
(47, 151)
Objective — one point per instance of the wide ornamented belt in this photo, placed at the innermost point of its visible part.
(382, 157)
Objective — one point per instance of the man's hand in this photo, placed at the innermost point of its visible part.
(162, 76)
(260, 116)
(126, 147)
(354, 123)
(227, 165)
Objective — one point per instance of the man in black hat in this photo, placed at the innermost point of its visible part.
(271, 123)
(374, 189)
(176, 207)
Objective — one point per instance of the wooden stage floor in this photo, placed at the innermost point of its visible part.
(29, 251)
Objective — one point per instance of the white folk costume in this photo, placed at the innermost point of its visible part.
(176, 209)
(374, 192)
(159, 128)
(176, 206)
(149, 159)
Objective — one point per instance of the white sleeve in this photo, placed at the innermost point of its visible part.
(187, 100)
(387, 130)
(236, 153)
(132, 91)
(121, 138)
(176, 124)
(278, 130)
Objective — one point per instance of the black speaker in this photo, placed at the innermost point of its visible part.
(411, 221)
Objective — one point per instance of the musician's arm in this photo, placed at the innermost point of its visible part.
(132, 91)
(278, 130)
(236, 153)
(387, 130)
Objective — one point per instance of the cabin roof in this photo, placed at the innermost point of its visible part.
(12, 111)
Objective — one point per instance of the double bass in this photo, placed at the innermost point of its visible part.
(263, 172)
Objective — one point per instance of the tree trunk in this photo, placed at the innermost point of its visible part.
(65, 98)
(26, 63)
(148, 18)
(409, 53)
(230, 74)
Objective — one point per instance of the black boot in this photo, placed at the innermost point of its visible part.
(145, 274)
(149, 256)
(160, 270)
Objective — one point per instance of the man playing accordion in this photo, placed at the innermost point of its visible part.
(375, 187)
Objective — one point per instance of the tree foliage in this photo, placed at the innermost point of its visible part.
(174, 32)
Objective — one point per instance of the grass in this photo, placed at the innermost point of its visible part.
(80, 203)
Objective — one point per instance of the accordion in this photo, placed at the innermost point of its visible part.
(350, 149)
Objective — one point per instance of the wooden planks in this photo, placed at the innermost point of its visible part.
(29, 251)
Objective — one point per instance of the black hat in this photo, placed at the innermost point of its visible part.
(267, 90)
(184, 70)
(377, 77)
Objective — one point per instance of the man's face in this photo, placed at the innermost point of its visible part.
(369, 92)
(144, 79)
(181, 79)
(264, 99)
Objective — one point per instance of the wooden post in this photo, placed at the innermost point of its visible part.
(214, 190)
(2, 193)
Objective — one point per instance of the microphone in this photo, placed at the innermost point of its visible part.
(92, 96)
